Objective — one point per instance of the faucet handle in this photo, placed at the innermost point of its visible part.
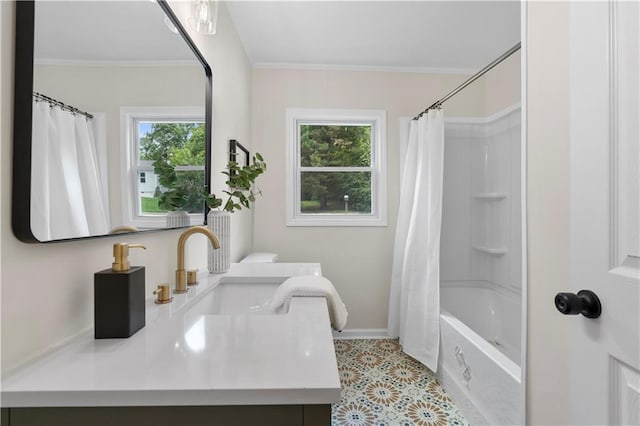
(164, 296)
(192, 277)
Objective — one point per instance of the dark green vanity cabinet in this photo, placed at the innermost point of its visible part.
(253, 415)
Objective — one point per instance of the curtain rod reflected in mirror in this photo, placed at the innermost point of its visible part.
(54, 102)
(117, 71)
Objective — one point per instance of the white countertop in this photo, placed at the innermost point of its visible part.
(183, 358)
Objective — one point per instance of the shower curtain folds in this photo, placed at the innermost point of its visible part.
(67, 192)
(414, 300)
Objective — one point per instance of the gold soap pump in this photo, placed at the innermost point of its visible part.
(121, 256)
(119, 296)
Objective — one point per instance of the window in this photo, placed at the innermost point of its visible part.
(335, 167)
(175, 135)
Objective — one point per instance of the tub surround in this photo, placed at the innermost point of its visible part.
(479, 351)
(482, 224)
(481, 264)
(185, 358)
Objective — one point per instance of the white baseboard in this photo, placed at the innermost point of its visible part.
(362, 333)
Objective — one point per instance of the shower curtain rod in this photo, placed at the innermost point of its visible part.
(73, 110)
(483, 71)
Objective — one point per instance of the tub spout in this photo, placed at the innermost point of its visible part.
(181, 274)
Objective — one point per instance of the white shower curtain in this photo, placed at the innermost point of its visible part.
(67, 196)
(414, 299)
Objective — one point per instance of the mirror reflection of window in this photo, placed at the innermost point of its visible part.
(180, 144)
(165, 153)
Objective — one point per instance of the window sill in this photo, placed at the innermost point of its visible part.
(160, 222)
(335, 220)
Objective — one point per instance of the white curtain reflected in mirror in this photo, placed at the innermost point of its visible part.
(68, 192)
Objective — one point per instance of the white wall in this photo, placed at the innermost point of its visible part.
(47, 289)
(503, 84)
(547, 118)
(356, 259)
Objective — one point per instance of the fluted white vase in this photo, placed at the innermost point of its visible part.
(219, 260)
(177, 219)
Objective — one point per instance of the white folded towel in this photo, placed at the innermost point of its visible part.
(311, 285)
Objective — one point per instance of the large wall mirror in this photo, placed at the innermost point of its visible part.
(112, 128)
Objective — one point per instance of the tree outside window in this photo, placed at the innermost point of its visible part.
(174, 152)
(336, 167)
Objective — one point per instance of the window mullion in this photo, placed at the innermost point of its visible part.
(143, 171)
(336, 169)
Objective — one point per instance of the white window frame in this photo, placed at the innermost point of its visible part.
(377, 119)
(129, 118)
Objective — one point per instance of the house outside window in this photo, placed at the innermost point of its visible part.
(179, 134)
(336, 167)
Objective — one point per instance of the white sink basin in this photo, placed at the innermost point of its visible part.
(237, 298)
(211, 359)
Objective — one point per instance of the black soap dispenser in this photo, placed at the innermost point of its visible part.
(119, 296)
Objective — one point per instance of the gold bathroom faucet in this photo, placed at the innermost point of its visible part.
(181, 274)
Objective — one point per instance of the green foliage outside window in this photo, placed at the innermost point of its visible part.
(240, 183)
(323, 145)
(170, 145)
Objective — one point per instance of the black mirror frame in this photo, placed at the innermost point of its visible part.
(23, 116)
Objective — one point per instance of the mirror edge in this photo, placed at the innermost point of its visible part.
(22, 114)
(23, 118)
(208, 99)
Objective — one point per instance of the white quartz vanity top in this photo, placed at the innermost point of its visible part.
(183, 358)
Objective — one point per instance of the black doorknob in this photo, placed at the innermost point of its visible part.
(585, 302)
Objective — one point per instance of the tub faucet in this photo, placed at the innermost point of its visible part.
(181, 274)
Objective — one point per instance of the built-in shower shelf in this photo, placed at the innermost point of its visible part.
(494, 251)
(489, 196)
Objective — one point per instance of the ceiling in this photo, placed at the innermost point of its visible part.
(105, 32)
(437, 36)
(445, 36)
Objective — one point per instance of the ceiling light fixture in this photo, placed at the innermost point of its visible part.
(204, 16)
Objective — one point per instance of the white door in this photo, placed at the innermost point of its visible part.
(605, 212)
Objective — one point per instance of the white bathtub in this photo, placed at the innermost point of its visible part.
(480, 351)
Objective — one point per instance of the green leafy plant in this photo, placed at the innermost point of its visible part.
(185, 191)
(240, 181)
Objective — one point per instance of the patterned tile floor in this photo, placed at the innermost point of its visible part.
(381, 385)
